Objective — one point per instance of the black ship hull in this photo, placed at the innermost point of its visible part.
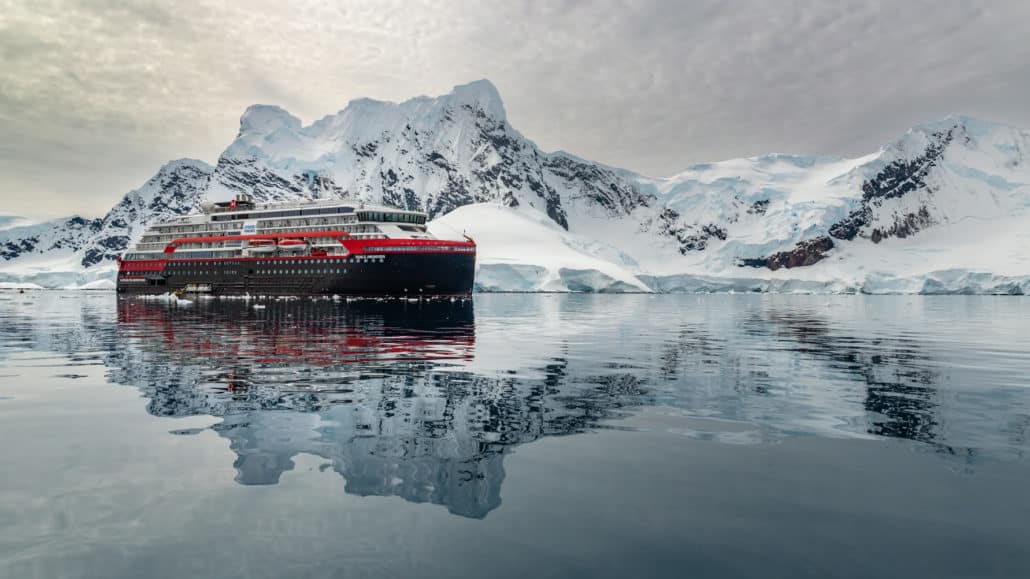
(391, 274)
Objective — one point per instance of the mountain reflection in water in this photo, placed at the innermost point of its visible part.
(423, 400)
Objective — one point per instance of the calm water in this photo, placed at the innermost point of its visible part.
(516, 436)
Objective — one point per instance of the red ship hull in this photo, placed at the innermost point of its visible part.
(371, 267)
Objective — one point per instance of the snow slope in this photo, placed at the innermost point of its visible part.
(523, 250)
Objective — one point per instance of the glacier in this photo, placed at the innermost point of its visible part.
(942, 209)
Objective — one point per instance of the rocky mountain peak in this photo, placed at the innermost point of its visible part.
(432, 154)
(480, 95)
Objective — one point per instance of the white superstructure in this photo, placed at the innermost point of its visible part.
(243, 217)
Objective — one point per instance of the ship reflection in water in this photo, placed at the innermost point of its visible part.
(400, 399)
(375, 388)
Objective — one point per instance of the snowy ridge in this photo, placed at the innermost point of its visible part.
(942, 209)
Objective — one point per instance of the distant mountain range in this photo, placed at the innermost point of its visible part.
(943, 209)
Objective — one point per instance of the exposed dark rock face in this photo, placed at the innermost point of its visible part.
(894, 181)
(904, 226)
(699, 241)
(69, 233)
(759, 207)
(690, 237)
(599, 184)
(13, 249)
(250, 176)
(804, 253)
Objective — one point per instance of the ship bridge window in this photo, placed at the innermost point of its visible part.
(300, 212)
(390, 217)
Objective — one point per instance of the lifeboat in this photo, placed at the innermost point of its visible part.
(260, 247)
(293, 245)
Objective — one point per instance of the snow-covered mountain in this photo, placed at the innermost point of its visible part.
(943, 208)
(76, 250)
(430, 154)
(947, 199)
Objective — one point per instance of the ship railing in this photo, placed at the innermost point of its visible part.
(339, 236)
(304, 203)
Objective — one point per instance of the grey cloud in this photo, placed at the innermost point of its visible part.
(98, 93)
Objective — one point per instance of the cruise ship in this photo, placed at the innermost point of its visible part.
(239, 247)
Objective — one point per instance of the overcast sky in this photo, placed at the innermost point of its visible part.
(95, 95)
